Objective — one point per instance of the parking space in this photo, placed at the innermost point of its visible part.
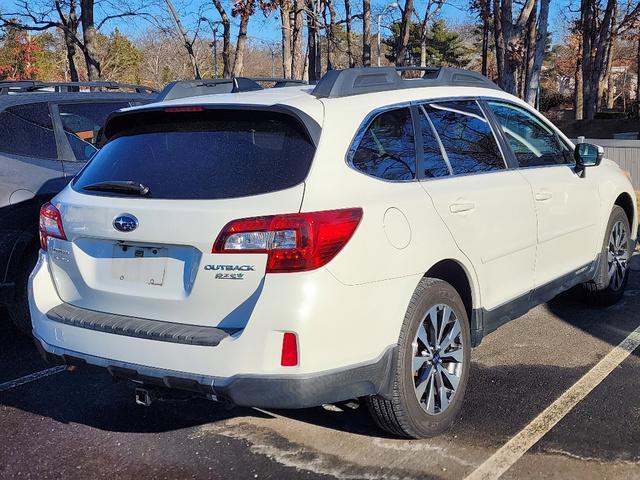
(81, 424)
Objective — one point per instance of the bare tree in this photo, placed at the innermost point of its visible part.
(432, 9)
(509, 36)
(298, 58)
(244, 9)
(285, 18)
(366, 33)
(226, 38)
(532, 82)
(403, 38)
(188, 44)
(62, 14)
(347, 14)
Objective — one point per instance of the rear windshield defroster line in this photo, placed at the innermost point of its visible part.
(211, 154)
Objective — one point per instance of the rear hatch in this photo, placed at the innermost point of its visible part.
(141, 219)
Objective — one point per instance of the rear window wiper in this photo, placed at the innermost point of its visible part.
(126, 187)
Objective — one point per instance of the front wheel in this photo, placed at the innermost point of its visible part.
(613, 272)
(432, 365)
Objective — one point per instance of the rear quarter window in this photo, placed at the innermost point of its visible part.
(203, 155)
(27, 130)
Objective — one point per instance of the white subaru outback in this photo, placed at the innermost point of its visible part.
(299, 246)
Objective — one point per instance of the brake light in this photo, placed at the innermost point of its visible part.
(289, 357)
(50, 224)
(294, 242)
(183, 109)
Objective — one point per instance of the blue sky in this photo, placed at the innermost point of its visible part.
(266, 29)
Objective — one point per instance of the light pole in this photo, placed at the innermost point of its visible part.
(214, 29)
(390, 6)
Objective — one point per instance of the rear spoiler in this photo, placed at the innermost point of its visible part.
(122, 119)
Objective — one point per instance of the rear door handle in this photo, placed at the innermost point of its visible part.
(461, 207)
(543, 196)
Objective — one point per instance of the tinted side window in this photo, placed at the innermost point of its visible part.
(533, 143)
(466, 136)
(387, 148)
(433, 161)
(83, 124)
(27, 130)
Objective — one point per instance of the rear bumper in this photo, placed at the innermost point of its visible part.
(265, 391)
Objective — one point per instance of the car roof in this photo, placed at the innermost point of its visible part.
(13, 99)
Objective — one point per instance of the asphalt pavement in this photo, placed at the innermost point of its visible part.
(81, 424)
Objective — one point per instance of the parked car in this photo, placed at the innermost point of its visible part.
(294, 247)
(47, 133)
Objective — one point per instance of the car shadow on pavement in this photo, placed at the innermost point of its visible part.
(499, 399)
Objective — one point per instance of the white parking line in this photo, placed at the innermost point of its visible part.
(30, 378)
(515, 448)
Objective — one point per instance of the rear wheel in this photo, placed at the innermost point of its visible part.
(613, 272)
(432, 365)
(19, 309)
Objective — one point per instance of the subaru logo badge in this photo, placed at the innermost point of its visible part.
(125, 223)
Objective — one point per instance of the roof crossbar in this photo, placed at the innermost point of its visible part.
(356, 81)
(195, 88)
(22, 86)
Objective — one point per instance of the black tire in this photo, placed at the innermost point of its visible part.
(19, 309)
(403, 415)
(602, 290)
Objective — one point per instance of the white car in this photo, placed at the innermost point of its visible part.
(299, 246)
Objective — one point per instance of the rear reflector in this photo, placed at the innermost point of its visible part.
(294, 242)
(289, 356)
(50, 224)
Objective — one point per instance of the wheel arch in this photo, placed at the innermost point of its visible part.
(625, 201)
(459, 277)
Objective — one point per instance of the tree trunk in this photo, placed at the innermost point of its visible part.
(638, 69)
(366, 33)
(185, 39)
(238, 63)
(347, 13)
(608, 81)
(88, 39)
(331, 39)
(312, 45)
(529, 52)
(486, 16)
(226, 39)
(595, 40)
(285, 18)
(297, 57)
(498, 38)
(533, 80)
(578, 103)
(403, 38)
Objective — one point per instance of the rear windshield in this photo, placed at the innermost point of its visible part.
(209, 154)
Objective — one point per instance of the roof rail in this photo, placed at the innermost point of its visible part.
(356, 81)
(195, 88)
(23, 86)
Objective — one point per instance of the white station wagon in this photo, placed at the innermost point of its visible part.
(300, 246)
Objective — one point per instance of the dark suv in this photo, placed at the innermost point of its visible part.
(48, 131)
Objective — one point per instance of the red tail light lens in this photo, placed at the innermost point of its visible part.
(289, 357)
(294, 242)
(50, 224)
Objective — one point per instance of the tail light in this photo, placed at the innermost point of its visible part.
(50, 224)
(294, 242)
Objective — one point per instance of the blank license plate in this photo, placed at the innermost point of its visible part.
(139, 264)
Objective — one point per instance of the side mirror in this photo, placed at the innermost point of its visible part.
(588, 155)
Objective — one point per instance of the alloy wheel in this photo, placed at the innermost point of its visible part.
(618, 255)
(438, 355)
